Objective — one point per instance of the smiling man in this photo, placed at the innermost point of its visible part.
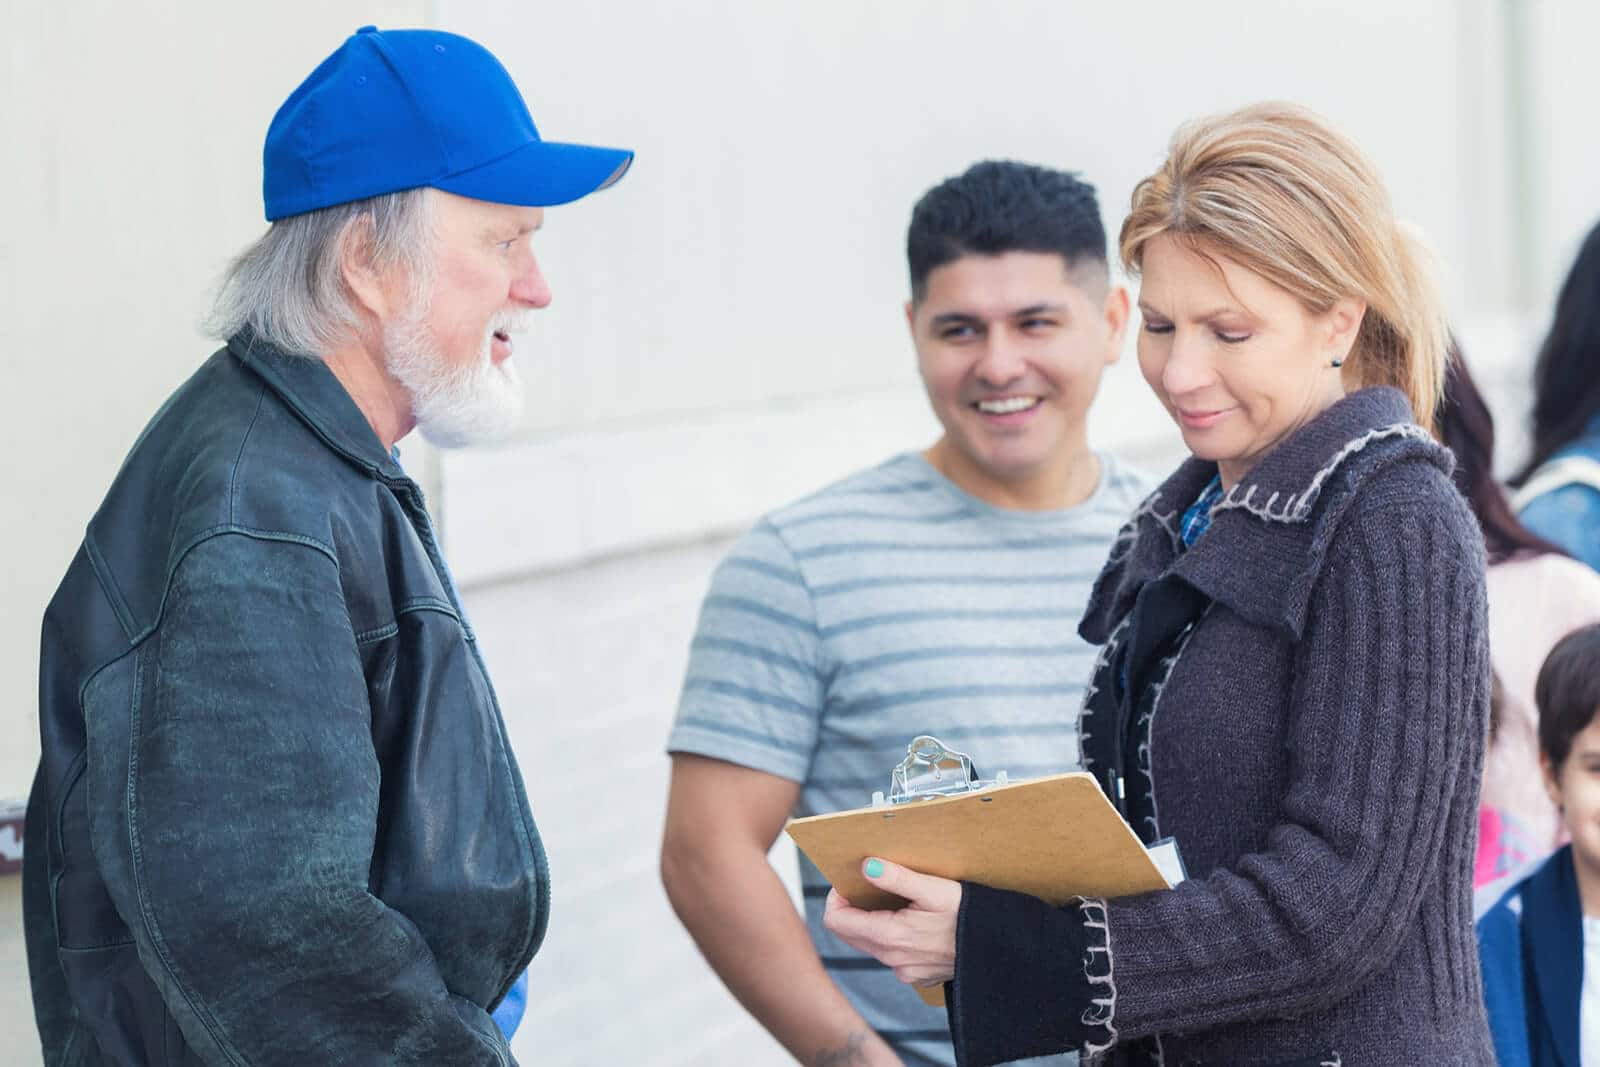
(276, 819)
(938, 592)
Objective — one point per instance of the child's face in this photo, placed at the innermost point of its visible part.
(1575, 788)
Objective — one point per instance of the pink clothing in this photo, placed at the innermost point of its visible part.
(1502, 848)
(1534, 601)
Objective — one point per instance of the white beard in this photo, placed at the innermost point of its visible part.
(455, 406)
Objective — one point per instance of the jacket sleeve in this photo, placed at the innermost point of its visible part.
(239, 846)
(1385, 736)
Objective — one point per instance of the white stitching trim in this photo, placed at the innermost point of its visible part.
(1131, 527)
(1146, 724)
(1101, 1010)
(1297, 507)
(1102, 661)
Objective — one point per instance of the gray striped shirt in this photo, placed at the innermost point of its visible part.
(887, 605)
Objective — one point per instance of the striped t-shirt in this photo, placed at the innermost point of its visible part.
(887, 605)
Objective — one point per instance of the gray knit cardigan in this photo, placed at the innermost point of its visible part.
(1301, 700)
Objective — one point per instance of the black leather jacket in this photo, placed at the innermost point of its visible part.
(277, 818)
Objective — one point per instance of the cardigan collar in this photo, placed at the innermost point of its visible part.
(1268, 533)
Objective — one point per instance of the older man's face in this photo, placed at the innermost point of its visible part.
(452, 354)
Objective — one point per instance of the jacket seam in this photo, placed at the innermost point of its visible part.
(426, 603)
(75, 772)
(100, 947)
(206, 535)
(136, 856)
(415, 606)
(377, 633)
(108, 584)
(238, 460)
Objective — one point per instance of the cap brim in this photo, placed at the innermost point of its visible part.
(541, 174)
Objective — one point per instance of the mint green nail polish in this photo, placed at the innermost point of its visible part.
(874, 868)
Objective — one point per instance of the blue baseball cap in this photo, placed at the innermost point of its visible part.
(398, 109)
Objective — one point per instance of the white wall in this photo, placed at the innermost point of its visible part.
(132, 139)
(742, 287)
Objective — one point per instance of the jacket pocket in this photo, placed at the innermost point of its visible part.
(119, 1005)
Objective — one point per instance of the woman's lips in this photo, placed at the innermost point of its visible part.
(1202, 420)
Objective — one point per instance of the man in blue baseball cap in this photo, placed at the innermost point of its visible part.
(277, 819)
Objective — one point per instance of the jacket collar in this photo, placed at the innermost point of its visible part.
(311, 391)
(1268, 533)
(1552, 935)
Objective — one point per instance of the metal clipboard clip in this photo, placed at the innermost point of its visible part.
(932, 769)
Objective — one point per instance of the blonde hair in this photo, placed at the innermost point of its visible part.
(1274, 188)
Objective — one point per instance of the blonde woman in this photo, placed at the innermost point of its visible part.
(1294, 682)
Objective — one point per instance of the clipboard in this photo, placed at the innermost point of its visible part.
(1054, 838)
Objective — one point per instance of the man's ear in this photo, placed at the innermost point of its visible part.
(360, 273)
(1116, 313)
(1344, 324)
(911, 317)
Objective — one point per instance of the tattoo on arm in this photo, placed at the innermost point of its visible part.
(853, 1051)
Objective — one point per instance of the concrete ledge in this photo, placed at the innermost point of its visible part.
(564, 499)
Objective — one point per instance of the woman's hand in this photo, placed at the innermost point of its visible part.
(919, 940)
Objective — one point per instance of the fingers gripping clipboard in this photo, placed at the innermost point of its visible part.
(1054, 838)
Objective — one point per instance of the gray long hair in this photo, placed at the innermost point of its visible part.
(289, 285)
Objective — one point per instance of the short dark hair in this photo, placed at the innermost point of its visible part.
(1002, 206)
(1568, 691)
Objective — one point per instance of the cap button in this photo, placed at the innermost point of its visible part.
(368, 29)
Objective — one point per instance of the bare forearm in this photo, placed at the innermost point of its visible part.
(739, 913)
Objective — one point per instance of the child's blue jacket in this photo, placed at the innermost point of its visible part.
(1531, 946)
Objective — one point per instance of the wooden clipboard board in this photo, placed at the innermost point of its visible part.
(1053, 838)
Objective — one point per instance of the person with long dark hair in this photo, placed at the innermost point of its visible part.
(1537, 594)
(1559, 487)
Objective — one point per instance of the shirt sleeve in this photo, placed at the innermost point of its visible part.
(248, 818)
(756, 683)
(1387, 723)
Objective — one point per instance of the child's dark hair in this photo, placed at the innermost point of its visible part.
(1568, 691)
(1000, 206)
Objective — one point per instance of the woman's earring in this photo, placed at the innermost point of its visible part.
(1338, 363)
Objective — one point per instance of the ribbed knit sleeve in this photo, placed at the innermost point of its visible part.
(1384, 745)
(1370, 849)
